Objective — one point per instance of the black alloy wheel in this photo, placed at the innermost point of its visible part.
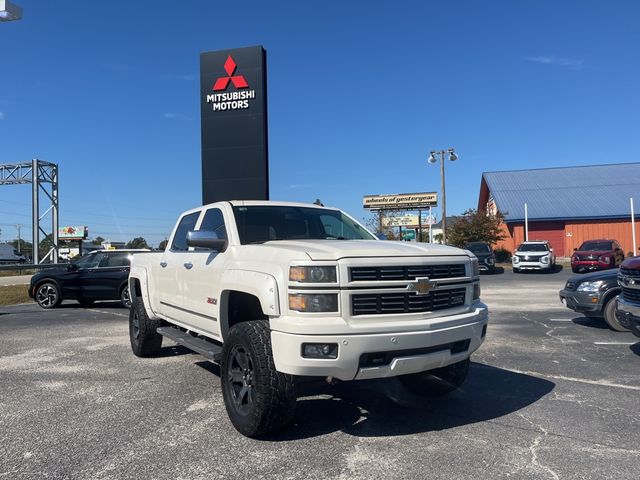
(240, 377)
(48, 295)
(125, 297)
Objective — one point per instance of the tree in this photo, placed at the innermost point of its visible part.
(163, 244)
(474, 226)
(138, 242)
(97, 241)
(376, 224)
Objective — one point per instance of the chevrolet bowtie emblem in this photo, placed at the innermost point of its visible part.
(422, 286)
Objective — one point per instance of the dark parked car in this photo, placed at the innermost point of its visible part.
(486, 257)
(595, 295)
(597, 255)
(99, 275)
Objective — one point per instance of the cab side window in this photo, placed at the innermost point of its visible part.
(213, 221)
(188, 222)
(115, 260)
(89, 261)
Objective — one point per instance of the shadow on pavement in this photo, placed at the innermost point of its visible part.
(635, 348)
(597, 323)
(496, 271)
(377, 408)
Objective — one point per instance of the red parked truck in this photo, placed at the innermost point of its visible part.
(597, 255)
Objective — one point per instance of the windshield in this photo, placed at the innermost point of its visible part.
(478, 248)
(596, 246)
(532, 247)
(262, 223)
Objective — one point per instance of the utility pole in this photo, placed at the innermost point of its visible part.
(19, 239)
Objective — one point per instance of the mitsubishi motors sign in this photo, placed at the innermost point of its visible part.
(233, 106)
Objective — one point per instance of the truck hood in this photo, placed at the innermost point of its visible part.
(338, 249)
(632, 263)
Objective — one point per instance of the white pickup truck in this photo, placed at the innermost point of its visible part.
(279, 292)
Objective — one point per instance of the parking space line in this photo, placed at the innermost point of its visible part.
(601, 383)
(614, 343)
(561, 319)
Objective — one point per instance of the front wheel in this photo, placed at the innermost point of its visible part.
(258, 398)
(610, 316)
(438, 382)
(145, 340)
(48, 295)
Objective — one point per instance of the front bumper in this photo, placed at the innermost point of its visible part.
(404, 352)
(589, 265)
(628, 314)
(581, 301)
(531, 266)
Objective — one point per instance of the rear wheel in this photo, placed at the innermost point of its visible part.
(125, 297)
(258, 398)
(516, 270)
(610, 316)
(438, 382)
(145, 340)
(48, 295)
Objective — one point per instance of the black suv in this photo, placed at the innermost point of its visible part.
(486, 258)
(595, 295)
(99, 275)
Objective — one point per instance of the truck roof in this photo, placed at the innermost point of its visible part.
(273, 203)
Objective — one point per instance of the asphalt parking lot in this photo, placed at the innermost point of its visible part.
(550, 394)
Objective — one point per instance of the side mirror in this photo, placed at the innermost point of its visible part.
(205, 239)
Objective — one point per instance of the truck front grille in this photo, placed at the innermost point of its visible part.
(631, 294)
(411, 272)
(630, 273)
(393, 303)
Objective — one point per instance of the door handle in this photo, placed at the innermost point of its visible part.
(163, 264)
(188, 265)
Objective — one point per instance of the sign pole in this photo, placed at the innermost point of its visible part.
(526, 224)
(633, 228)
(419, 225)
(430, 225)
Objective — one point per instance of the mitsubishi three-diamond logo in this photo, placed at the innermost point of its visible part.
(230, 100)
(237, 80)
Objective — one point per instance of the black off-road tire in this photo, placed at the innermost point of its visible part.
(609, 311)
(145, 340)
(259, 399)
(438, 382)
(47, 295)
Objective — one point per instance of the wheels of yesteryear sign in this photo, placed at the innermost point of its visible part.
(400, 201)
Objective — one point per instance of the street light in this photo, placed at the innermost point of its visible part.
(433, 158)
(9, 11)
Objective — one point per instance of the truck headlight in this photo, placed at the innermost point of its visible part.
(545, 259)
(515, 259)
(313, 274)
(489, 261)
(590, 286)
(604, 259)
(313, 302)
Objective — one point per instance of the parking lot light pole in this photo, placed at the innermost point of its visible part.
(9, 11)
(433, 159)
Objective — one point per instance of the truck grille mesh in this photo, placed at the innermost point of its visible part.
(358, 274)
(631, 294)
(630, 273)
(393, 303)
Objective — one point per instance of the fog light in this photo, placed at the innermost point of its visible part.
(320, 350)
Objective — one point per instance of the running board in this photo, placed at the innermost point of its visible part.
(207, 349)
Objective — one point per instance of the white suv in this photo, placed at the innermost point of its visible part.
(534, 255)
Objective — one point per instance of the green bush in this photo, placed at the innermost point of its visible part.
(503, 255)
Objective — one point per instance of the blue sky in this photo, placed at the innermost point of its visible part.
(359, 93)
